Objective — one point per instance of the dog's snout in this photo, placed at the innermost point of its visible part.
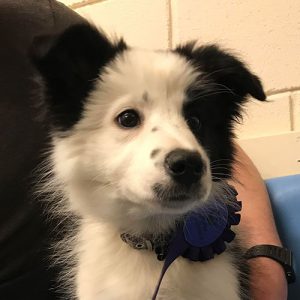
(185, 167)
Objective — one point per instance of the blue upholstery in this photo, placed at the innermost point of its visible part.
(285, 197)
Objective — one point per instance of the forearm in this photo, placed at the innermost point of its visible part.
(257, 217)
(258, 227)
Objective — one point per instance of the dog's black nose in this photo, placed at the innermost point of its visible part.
(185, 167)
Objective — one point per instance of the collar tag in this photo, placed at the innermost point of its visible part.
(139, 243)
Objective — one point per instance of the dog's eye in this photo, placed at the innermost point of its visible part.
(128, 118)
(194, 123)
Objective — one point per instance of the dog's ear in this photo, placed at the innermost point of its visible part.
(69, 63)
(223, 69)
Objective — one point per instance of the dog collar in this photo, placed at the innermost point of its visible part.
(199, 237)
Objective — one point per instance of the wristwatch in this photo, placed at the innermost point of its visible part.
(282, 255)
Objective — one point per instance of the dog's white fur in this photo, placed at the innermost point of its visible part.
(106, 174)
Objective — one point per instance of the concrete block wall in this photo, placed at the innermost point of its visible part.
(265, 34)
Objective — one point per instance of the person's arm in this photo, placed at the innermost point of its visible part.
(268, 280)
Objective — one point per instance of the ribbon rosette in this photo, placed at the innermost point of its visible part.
(204, 232)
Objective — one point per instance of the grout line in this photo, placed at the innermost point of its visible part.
(169, 24)
(84, 3)
(291, 109)
(283, 90)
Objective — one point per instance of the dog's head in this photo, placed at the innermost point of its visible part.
(140, 133)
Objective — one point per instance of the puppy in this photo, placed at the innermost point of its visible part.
(140, 139)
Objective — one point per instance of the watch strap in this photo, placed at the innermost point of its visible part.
(282, 255)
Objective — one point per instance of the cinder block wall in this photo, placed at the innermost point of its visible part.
(266, 34)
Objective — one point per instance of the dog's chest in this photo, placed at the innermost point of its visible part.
(110, 269)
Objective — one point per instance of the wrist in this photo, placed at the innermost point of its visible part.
(267, 266)
(268, 280)
(281, 255)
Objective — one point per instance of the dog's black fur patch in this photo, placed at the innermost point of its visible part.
(69, 65)
(216, 99)
(224, 69)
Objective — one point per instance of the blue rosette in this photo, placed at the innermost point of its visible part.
(204, 232)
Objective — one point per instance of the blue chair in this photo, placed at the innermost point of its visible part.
(285, 198)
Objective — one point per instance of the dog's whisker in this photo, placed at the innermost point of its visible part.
(220, 170)
(225, 167)
(221, 164)
(207, 93)
(222, 159)
(221, 174)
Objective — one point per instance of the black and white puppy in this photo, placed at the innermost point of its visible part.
(139, 139)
